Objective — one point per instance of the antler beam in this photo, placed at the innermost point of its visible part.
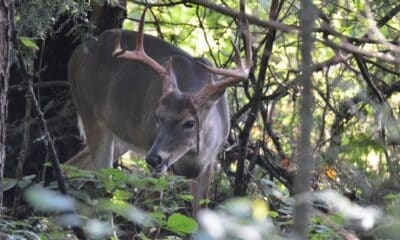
(138, 54)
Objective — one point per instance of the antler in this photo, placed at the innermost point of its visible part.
(138, 54)
(232, 77)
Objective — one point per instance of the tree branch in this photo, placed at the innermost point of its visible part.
(43, 124)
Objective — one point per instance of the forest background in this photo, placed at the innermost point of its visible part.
(314, 145)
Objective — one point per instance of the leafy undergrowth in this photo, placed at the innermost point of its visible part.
(115, 204)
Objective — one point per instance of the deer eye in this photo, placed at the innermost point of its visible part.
(189, 124)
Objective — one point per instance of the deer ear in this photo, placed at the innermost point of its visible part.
(217, 95)
(213, 98)
(169, 78)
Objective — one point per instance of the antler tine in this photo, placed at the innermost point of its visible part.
(139, 39)
(138, 53)
(231, 76)
(241, 72)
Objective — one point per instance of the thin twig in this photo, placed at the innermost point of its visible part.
(24, 150)
(43, 124)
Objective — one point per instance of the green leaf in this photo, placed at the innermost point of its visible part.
(26, 42)
(204, 202)
(122, 194)
(82, 195)
(392, 196)
(29, 177)
(114, 173)
(43, 236)
(181, 224)
(273, 214)
(9, 183)
(126, 210)
(186, 197)
(154, 184)
(142, 236)
(12, 182)
(112, 178)
(159, 218)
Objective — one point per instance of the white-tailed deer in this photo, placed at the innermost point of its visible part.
(155, 100)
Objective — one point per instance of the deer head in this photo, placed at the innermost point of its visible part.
(182, 117)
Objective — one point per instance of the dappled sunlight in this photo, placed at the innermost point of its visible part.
(98, 229)
(45, 200)
(239, 219)
(365, 217)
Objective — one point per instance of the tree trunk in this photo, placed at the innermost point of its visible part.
(6, 30)
(304, 155)
(105, 17)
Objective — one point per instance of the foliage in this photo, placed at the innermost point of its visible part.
(114, 192)
(355, 137)
(134, 198)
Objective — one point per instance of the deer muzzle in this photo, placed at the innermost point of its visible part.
(158, 163)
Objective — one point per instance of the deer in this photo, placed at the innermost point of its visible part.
(156, 100)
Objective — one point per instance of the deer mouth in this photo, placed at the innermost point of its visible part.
(161, 168)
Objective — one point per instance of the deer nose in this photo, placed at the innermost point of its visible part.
(153, 160)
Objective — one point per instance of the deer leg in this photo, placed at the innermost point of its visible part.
(79, 159)
(100, 147)
(199, 188)
(83, 157)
